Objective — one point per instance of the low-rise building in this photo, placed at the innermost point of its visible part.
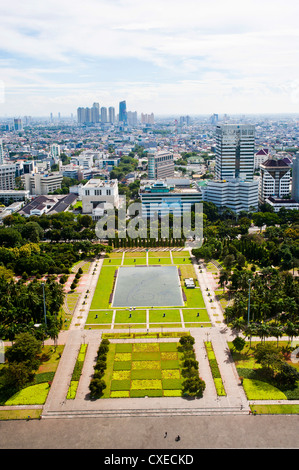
(97, 191)
(237, 195)
(42, 183)
(161, 198)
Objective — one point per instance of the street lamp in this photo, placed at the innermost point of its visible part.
(249, 282)
(45, 312)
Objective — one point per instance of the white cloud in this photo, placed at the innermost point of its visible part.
(225, 49)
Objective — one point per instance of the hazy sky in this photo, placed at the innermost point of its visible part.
(161, 56)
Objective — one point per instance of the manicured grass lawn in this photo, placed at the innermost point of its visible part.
(102, 316)
(255, 383)
(194, 298)
(157, 316)
(158, 254)
(182, 261)
(259, 390)
(20, 414)
(71, 301)
(135, 254)
(180, 254)
(114, 255)
(275, 409)
(112, 262)
(162, 260)
(190, 315)
(135, 261)
(143, 369)
(135, 316)
(103, 288)
(32, 395)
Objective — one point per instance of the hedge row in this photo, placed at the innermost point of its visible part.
(77, 371)
(97, 384)
(220, 390)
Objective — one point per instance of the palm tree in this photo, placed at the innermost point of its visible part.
(250, 331)
(223, 278)
(263, 331)
(291, 330)
(276, 331)
(238, 324)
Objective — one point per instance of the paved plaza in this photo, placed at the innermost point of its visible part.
(137, 423)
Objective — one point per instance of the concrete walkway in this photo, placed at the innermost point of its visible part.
(235, 401)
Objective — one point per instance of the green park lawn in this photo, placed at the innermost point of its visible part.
(135, 316)
(36, 393)
(103, 289)
(143, 369)
(99, 316)
(255, 383)
(105, 283)
(157, 316)
(159, 261)
(159, 254)
(190, 315)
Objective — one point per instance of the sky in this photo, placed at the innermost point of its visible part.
(162, 56)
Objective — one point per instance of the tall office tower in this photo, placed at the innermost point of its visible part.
(160, 165)
(1, 152)
(122, 112)
(104, 118)
(95, 113)
(55, 150)
(274, 180)
(8, 176)
(18, 126)
(214, 119)
(235, 147)
(295, 178)
(87, 115)
(81, 115)
(147, 118)
(111, 115)
(132, 118)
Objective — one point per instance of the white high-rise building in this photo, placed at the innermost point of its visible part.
(235, 194)
(8, 176)
(55, 150)
(235, 147)
(295, 178)
(1, 152)
(111, 115)
(274, 180)
(104, 118)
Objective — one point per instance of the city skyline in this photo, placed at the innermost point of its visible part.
(166, 58)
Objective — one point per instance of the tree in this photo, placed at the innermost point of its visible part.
(96, 387)
(194, 386)
(25, 349)
(239, 343)
(15, 376)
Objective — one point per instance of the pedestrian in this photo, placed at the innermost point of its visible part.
(178, 438)
(165, 435)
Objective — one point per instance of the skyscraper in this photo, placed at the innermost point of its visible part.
(111, 115)
(274, 179)
(104, 118)
(1, 152)
(95, 113)
(81, 115)
(295, 178)
(18, 126)
(122, 112)
(235, 146)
